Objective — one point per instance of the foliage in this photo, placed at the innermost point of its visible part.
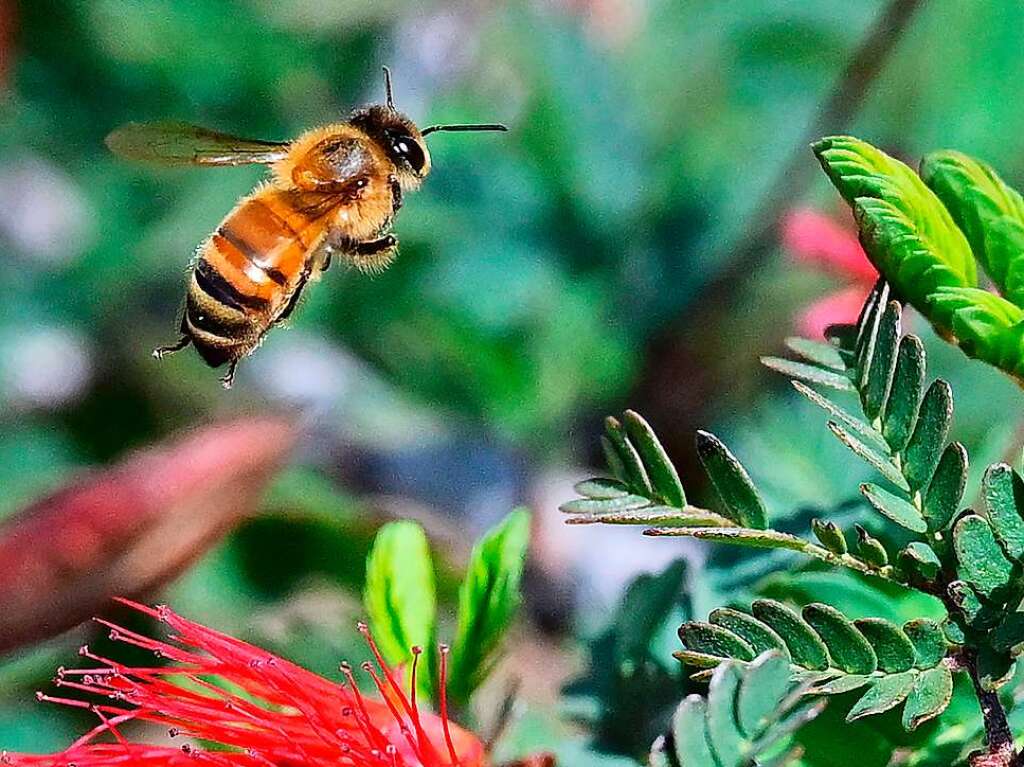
(399, 598)
(594, 252)
(627, 692)
(399, 595)
(834, 655)
(488, 599)
(972, 561)
(927, 234)
(746, 720)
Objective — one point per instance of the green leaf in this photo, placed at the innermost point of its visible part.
(488, 600)
(921, 558)
(809, 373)
(897, 509)
(953, 631)
(907, 232)
(900, 412)
(922, 453)
(750, 711)
(643, 610)
(758, 635)
(942, 501)
(978, 615)
(883, 361)
(660, 516)
(635, 473)
(840, 415)
(988, 211)
(660, 471)
(697, 659)
(847, 647)
(723, 729)
(1004, 500)
(880, 462)
(844, 338)
(929, 642)
(805, 646)
(823, 354)
(605, 505)
(986, 326)
(893, 648)
(732, 482)
(842, 684)
(929, 697)
(399, 596)
(615, 463)
(980, 560)
(885, 693)
(867, 331)
(714, 640)
(764, 686)
(689, 729)
(601, 488)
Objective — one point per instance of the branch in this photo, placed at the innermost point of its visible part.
(1000, 751)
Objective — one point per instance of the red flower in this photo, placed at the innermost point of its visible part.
(816, 239)
(264, 711)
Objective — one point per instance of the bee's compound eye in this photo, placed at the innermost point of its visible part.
(406, 148)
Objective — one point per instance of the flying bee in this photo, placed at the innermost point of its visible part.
(333, 191)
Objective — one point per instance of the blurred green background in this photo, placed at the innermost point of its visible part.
(547, 276)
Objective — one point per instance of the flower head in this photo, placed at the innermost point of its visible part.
(257, 709)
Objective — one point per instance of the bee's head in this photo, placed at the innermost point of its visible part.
(401, 139)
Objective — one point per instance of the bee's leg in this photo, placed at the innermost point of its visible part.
(375, 247)
(373, 255)
(162, 351)
(229, 378)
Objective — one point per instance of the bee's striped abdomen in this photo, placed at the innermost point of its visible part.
(249, 273)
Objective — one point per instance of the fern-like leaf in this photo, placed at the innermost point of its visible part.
(745, 721)
(832, 654)
(646, 489)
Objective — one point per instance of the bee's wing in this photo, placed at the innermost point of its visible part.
(178, 143)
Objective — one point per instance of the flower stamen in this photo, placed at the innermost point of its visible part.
(444, 706)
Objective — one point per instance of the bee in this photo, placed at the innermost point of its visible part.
(333, 191)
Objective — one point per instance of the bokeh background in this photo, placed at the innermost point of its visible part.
(624, 245)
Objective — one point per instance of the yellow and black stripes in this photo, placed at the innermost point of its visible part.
(250, 272)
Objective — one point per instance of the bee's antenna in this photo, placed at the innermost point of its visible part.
(387, 88)
(464, 127)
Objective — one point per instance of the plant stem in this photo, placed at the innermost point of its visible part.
(998, 738)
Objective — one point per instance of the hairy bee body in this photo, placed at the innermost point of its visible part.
(333, 191)
(249, 274)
